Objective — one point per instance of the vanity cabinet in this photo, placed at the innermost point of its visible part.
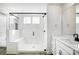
(62, 49)
(64, 46)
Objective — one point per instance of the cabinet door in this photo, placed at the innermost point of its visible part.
(64, 48)
(69, 23)
(54, 18)
(61, 51)
(76, 53)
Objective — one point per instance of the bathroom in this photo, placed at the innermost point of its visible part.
(39, 28)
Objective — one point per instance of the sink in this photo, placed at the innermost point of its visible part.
(71, 42)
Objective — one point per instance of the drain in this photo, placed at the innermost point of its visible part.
(44, 49)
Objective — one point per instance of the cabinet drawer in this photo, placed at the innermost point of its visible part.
(66, 48)
(76, 53)
(61, 51)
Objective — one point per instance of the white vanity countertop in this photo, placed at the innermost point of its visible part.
(68, 41)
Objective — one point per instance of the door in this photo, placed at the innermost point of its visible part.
(32, 30)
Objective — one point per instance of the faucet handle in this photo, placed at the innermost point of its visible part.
(75, 35)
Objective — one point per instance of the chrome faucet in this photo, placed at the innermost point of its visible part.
(76, 37)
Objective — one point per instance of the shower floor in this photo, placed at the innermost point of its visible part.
(23, 46)
(33, 53)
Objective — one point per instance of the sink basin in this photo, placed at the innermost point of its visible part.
(77, 45)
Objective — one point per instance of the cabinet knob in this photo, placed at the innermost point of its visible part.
(73, 52)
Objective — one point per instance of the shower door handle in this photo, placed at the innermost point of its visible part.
(33, 34)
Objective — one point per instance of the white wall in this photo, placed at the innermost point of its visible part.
(23, 7)
(2, 30)
(77, 8)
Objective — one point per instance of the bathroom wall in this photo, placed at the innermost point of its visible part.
(23, 7)
(2, 30)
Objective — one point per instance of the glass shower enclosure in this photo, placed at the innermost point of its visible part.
(27, 32)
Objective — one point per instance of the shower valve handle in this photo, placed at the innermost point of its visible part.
(33, 33)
